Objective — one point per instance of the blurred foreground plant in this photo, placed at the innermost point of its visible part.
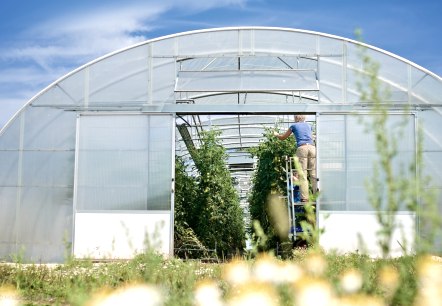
(311, 277)
(394, 186)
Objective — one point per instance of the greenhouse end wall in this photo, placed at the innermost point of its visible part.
(49, 163)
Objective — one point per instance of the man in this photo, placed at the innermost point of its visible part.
(306, 153)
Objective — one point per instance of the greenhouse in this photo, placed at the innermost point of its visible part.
(87, 165)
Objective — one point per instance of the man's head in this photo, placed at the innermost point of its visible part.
(299, 118)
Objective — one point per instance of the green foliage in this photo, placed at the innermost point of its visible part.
(187, 244)
(208, 214)
(310, 233)
(269, 178)
(259, 240)
(220, 221)
(186, 192)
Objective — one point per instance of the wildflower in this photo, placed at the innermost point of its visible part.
(208, 293)
(351, 281)
(315, 264)
(359, 300)
(236, 272)
(313, 291)
(133, 295)
(290, 272)
(8, 296)
(429, 273)
(254, 294)
(388, 280)
(267, 269)
(203, 271)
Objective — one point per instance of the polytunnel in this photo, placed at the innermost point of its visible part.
(87, 165)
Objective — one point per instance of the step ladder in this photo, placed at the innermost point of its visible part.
(295, 208)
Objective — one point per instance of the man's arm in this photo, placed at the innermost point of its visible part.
(283, 136)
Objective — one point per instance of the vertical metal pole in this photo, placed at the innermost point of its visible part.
(292, 200)
(239, 58)
(18, 206)
(417, 231)
(318, 67)
(78, 134)
(239, 69)
(318, 170)
(172, 194)
(344, 72)
(86, 87)
(288, 189)
(150, 74)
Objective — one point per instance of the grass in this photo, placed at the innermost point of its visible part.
(76, 282)
(307, 278)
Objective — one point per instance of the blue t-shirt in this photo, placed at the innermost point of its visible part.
(302, 132)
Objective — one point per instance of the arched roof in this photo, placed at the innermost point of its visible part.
(257, 66)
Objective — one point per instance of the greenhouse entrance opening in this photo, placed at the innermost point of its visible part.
(238, 134)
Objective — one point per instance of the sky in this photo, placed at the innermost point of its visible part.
(40, 41)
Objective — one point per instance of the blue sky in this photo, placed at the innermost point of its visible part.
(40, 41)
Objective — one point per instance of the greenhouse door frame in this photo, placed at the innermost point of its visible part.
(118, 177)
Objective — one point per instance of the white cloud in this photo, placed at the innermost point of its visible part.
(22, 74)
(81, 36)
(199, 6)
(84, 36)
(48, 50)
